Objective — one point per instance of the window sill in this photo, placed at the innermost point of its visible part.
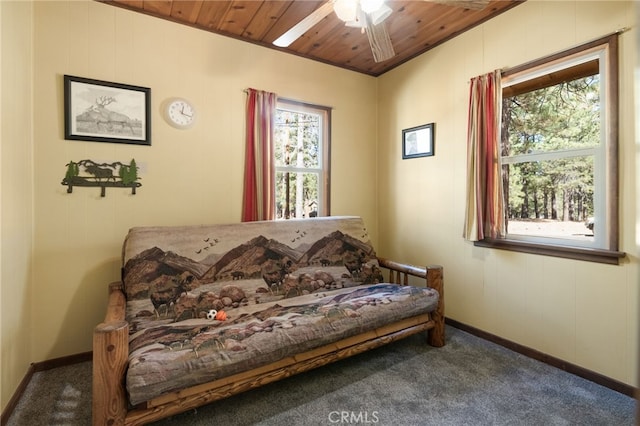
(578, 253)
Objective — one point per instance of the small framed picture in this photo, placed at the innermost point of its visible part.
(102, 111)
(418, 141)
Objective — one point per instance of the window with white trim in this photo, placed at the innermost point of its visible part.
(559, 154)
(302, 138)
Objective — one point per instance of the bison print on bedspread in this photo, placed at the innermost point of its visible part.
(176, 355)
(173, 274)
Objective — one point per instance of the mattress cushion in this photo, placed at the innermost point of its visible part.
(168, 356)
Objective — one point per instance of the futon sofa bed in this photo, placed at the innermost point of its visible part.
(204, 312)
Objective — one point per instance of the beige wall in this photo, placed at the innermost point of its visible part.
(188, 177)
(16, 192)
(584, 313)
(58, 251)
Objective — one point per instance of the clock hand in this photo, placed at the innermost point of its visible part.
(183, 113)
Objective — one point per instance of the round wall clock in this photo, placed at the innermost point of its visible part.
(179, 113)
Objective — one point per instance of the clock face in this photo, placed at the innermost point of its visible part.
(180, 113)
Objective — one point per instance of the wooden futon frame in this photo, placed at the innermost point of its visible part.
(111, 352)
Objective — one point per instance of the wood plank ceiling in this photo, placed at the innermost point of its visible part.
(414, 26)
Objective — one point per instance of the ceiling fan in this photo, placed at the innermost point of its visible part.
(369, 15)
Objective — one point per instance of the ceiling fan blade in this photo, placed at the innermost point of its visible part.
(467, 4)
(380, 42)
(305, 25)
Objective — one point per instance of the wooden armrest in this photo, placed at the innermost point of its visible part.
(434, 277)
(403, 267)
(110, 358)
(432, 274)
(117, 302)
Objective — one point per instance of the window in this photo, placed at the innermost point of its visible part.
(559, 154)
(302, 160)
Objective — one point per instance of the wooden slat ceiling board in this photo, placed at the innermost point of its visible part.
(293, 14)
(211, 13)
(239, 16)
(264, 19)
(414, 26)
(159, 7)
(187, 10)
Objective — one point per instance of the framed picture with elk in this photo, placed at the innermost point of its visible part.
(103, 111)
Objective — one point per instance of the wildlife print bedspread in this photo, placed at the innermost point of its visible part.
(285, 286)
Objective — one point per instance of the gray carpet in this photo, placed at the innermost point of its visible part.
(468, 382)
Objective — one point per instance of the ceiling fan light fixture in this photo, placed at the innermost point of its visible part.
(370, 6)
(346, 9)
(379, 15)
(356, 24)
(360, 21)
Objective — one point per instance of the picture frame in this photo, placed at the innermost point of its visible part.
(418, 141)
(104, 111)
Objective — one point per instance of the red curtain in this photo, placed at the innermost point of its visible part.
(259, 167)
(485, 200)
